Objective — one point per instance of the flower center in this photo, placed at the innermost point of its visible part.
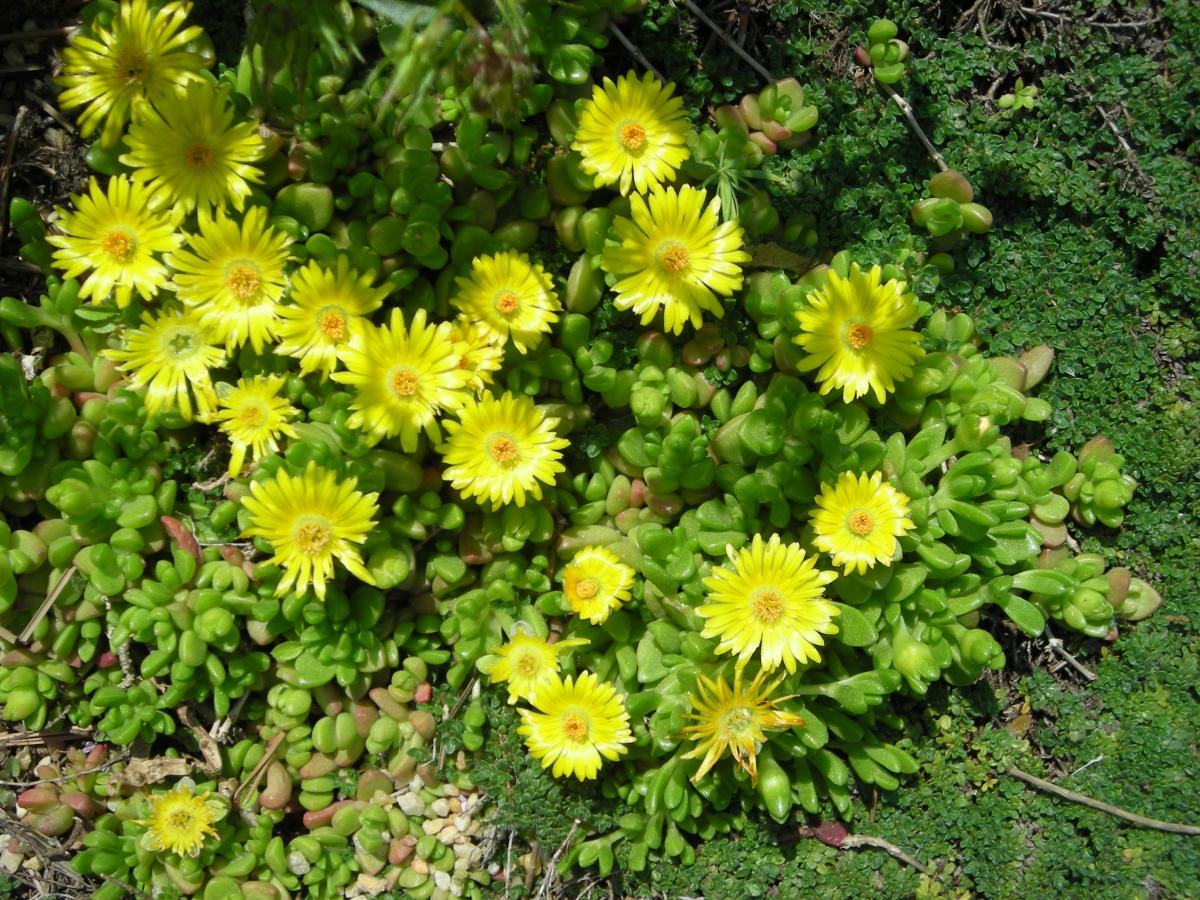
(768, 607)
(181, 344)
(118, 245)
(181, 819)
(507, 303)
(587, 589)
(633, 136)
(198, 155)
(243, 281)
(859, 335)
(311, 537)
(251, 414)
(676, 259)
(737, 720)
(860, 522)
(405, 383)
(575, 727)
(131, 65)
(333, 326)
(504, 451)
(527, 665)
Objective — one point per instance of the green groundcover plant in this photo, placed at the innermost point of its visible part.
(417, 392)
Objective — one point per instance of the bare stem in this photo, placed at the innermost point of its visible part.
(635, 51)
(917, 130)
(733, 45)
(1052, 788)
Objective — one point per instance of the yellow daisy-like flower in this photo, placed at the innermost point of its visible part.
(771, 600)
(858, 520)
(191, 153)
(632, 133)
(857, 333)
(234, 277)
(579, 723)
(526, 661)
(181, 820)
(501, 450)
(511, 296)
(734, 720)
(328, 312)
(675, 256)
(477, 354)
(170, 353)
(115, 235)
(253, 415)
(310, 521)
(405, 376)
(595, 583)
(140, 57)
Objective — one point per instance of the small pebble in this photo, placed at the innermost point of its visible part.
(462, 822)
(448, 834)
(442, 879)
(440, 807)
(411, 804)
(433, 826)
(420, 866)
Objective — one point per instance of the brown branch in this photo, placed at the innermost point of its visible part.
(1052, 788)
(835, 835)
(1075, 20)
(34, 35)
(5, 175)
(917, 130)
(732, 44)
(61, 778)
(59, 587)
(635, 51)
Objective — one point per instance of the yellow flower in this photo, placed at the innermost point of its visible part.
(234, 277)
(511, 296)
(253, 415)
(856, 331)
(858, 520)
(500, 450)
(171, 352)
(735, 720)
(404, 376)
(579, 723)
(328, 312)
(527, 661)
(141, 57)
(771, 599)
(115, 235)
(180, 820)
(633, 133)
(477, 355)
(310, 521)
(191, 153)
(675, 256)
(595, 583)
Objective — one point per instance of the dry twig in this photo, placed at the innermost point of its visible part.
(634, 51)
(1052, 788)
(551, 871)
(732, 44)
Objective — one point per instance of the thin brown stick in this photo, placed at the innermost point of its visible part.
(917, 130)
(1075, 20)
(858, 841)
(551, 871)
(59, 587)
(251, 780)
(51, 112)
(1052, 788)
(5, 175)
(61, 778)
(635, 51)
(38, 34)
(1056, 645)
(730, 42)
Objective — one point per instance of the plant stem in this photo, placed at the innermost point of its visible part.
(912, 121)
(1052, 788)
(733, 45)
